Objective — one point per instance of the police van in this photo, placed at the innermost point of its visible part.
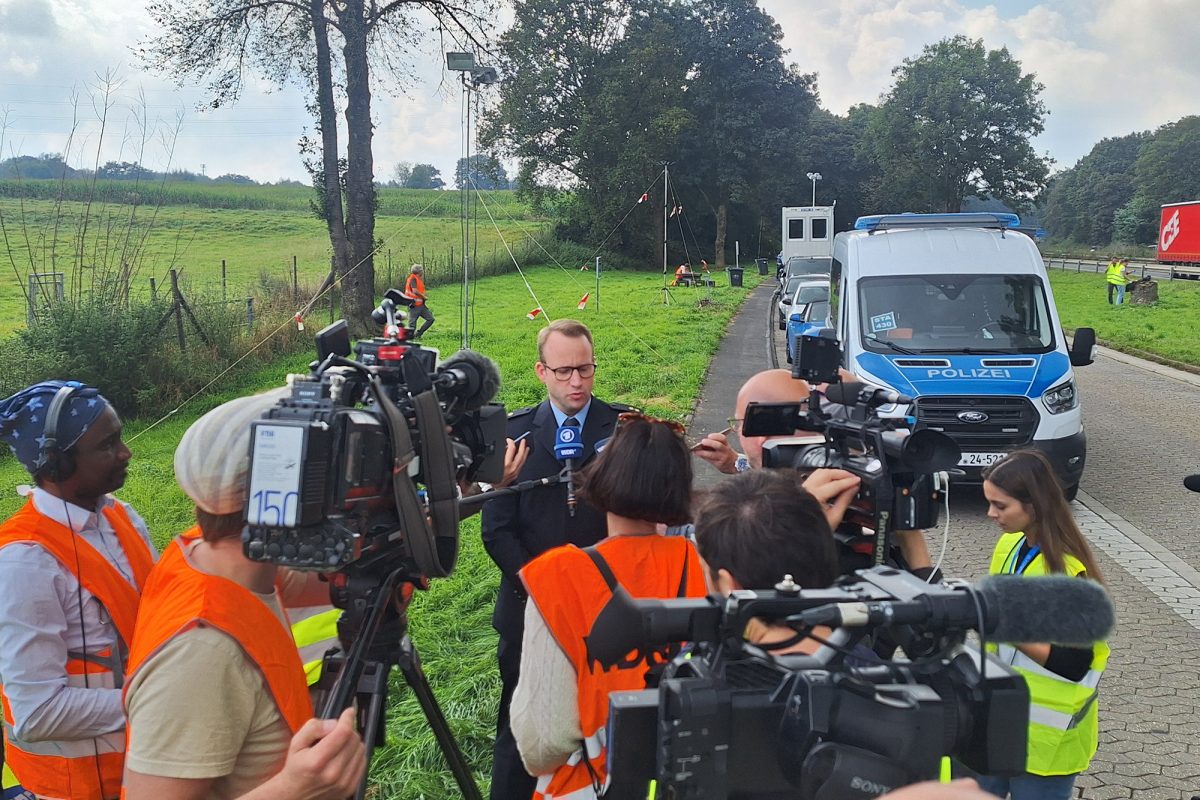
(956, 311)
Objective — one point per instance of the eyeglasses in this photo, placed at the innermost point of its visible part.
(637, 416)
(564, 373)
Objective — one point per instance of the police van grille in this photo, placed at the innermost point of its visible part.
(1011, 420)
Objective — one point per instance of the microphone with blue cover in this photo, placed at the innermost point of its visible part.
(568, 448)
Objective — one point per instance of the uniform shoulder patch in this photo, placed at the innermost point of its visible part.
(622, 407)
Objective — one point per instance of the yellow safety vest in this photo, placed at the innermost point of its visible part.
(1113, 274)
(315, 630)
(1063, 719)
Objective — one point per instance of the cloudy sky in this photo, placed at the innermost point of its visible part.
(1109, 67)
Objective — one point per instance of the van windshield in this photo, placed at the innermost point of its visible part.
(955, 314)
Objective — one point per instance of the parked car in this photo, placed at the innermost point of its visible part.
(805, 265)
(810, 319)
(799, 291)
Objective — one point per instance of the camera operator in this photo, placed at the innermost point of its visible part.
(778, 386)
(216, 688)
(560, 706)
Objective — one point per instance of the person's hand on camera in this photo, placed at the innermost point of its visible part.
(326, 760)
(834, 490)
(714, 448)
(515, 454)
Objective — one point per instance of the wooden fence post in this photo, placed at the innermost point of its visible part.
(295, 281)
(153, 290)
(175, 308)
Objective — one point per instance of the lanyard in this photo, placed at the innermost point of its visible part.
(1033, 553)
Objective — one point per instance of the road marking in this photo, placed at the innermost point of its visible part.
(1165, 574)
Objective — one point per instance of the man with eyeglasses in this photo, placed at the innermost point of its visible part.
(517, 528)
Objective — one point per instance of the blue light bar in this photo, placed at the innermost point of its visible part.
(881, 222)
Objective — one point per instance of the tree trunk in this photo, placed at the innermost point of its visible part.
(331, 206)
(719, 242)
(358, 285)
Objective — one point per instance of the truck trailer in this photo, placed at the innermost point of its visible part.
(1179, 239)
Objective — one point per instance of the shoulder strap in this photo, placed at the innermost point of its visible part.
(602, 565)
(682, 591)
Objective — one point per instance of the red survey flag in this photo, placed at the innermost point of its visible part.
(643, 198)
(534, 314)
(583, 301)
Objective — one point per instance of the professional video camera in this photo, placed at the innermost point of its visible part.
(731, 720)
(335, 468)
(357, 473)
(898, 463)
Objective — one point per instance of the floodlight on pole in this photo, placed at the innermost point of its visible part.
(814, 177)
(460, 62)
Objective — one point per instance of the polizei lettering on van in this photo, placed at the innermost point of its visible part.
(976, 372)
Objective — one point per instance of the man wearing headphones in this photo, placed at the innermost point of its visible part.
(73, 562)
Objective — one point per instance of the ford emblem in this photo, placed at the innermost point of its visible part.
(972, 416)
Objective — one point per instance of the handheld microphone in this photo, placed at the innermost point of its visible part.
(472, 376)
(1053, 608)
(856, 392)
(1192, 482)
(568, 446)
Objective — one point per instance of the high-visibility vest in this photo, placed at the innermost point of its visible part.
(570, 592)
(80, 769)
(413, 284)
(10, 788)
(179, 597)
(315, 630)
(1114, 274)
(1063, 718)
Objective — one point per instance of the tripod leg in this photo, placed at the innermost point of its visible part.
(410, 667)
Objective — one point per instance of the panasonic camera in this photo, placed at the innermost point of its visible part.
(362, 462)
(730, 720)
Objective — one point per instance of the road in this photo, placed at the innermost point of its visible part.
(1142, 440)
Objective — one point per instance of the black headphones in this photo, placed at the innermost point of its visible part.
(54, 463)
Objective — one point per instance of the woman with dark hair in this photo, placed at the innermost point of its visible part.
(559, 712)
(1041, 538)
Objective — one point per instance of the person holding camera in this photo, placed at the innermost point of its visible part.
(216, 697)
(518, 528)
(1040, 537)
(560, 706)
(73, 563)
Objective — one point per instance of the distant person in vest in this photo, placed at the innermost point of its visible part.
(216, 697)
(755, 528)
(1116, 278)
(559, 711)
(1040, 537)
(73, 563)
(414, 287)
(520, 527)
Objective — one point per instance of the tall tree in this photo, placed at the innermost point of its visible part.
(424, 176)
(1168, 166)
(220, 41)
(957, 122)
(1082, 204)
(481, 171)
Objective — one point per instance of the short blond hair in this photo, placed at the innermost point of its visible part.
(417, 268)
(567, 327)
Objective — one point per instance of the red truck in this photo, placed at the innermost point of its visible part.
(1179, 239)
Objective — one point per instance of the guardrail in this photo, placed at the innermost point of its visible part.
(1139, 269)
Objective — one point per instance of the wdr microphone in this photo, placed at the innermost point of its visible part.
(568, 447)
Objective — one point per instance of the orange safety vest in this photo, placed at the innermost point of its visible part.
(412, 284)
(179, 597)
(570, 592)
(80, 769)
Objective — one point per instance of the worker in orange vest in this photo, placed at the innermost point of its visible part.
(559, 710)
(73, 562)
(216, 697)
(414, 288)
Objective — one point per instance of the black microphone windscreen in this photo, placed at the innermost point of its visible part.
(844, 393)
(1053, 608)
(484, 377)
(1192, 482)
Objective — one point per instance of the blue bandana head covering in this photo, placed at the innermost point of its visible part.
(23, 418)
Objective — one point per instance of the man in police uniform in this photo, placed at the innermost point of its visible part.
(517, 528)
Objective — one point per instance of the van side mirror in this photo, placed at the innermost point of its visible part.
(1081, 350)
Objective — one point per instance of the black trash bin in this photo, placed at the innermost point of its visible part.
(735, 275)
(762, 265)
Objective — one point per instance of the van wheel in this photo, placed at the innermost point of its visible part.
(1071, 491)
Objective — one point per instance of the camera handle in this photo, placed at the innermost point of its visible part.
(362, 675)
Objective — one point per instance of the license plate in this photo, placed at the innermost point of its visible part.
(980, 459)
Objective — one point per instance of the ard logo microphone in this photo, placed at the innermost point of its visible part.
(568, 446)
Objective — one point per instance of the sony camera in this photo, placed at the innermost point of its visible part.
(729, 720)
(897, 462)
(362, 462)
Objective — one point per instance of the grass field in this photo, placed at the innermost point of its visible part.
(649, 355)
(1164, 329)
(263, 235)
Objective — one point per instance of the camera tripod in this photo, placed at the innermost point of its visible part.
(374, 637)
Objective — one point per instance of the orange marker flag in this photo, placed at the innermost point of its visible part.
(534, 314)
(583, 301)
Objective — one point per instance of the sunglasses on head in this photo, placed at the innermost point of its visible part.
(637, 416)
